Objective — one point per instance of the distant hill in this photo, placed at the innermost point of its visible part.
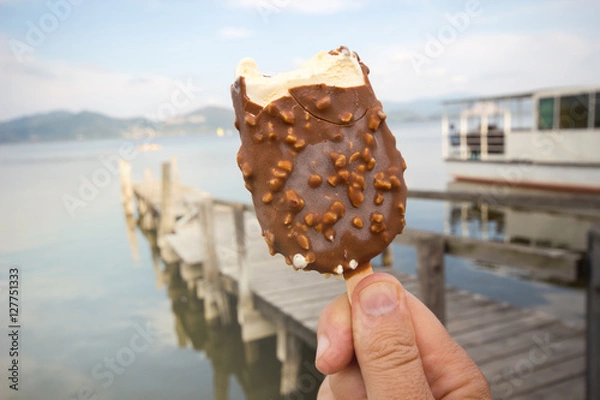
(65, 125)
(85, 125)
(203, 120)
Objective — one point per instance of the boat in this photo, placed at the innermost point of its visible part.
(546, 139)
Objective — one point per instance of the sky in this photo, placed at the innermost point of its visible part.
(154, 58)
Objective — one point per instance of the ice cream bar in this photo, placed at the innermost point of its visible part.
(320, 162)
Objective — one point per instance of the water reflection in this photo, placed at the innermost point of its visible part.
(564, 229)
(254, 366)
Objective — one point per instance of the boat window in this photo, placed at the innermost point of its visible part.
(597, 116)
(546, 113)
(574, 111)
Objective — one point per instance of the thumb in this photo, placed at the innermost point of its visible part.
(384, 341)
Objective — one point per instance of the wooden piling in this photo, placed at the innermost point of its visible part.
(254, 325)
(593, 315)
(126, 187)
(387, 257)
(431, 274)
(174, 170)
(216, 304)
(167, 218)
(289, 353)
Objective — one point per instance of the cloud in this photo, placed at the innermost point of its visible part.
(234, 32)
(484, 64)
(299, 6)
(43, 85)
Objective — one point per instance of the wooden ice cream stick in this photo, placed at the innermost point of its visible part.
(353, 277)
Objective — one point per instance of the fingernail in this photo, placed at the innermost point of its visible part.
(322, 345)
(379, 298)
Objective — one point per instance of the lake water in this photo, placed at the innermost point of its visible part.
(99, 322)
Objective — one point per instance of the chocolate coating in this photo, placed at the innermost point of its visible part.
(325, 175)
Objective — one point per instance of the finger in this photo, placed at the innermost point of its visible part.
(348, 383)
(384, 341)
(325, 392)
(334, 337)
(450, 371)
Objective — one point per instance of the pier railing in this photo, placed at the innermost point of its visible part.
(431, 248)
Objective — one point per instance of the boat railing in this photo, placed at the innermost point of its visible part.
(483, 140)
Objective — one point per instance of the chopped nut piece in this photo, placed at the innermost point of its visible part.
(338, 208)
(269, 237)
(285, 165)
(374, 122)
(279, 173)
(346, 117)
(246, 170)
(355, 196)
(275, 184)
(329, 218)
(303, 242)
(295, 202)
(314, 181)
(339, 160)
(377, 228)
(355, 156)
(323, 103)
(379, 199)
(291, 139)
(330, 234)
(267, 198)
(377, 217)
(382, 184)
(344, 175)
(311, 219)
(333, 180)
(300, 144)
(357, 222)
(250, 119)
(287, 116)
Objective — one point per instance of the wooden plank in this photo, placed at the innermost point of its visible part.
(553, 332)
(555, 263)
(493, 332)
(188, 243)
(525, 379)
(593, 315)
(540, 355)
(571, 388)
(459, 326)
(431, 275)
(470, 307)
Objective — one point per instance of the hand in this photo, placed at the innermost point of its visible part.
(388, 345)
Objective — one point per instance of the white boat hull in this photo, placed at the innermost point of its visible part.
(567, 177)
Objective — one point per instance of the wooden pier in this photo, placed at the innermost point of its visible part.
(221, 254)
